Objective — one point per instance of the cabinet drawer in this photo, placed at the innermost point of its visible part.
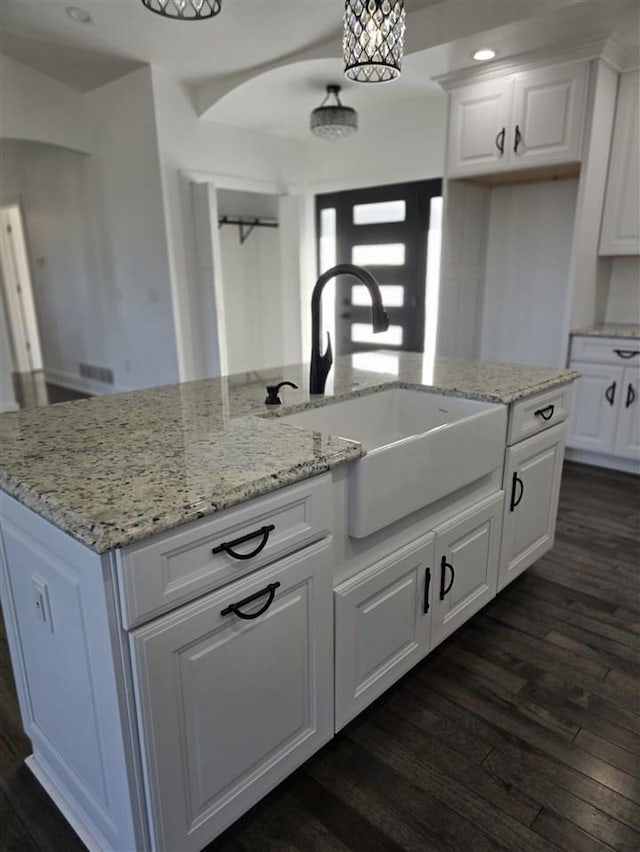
(533, 415)
(618, 351)
(179, 565)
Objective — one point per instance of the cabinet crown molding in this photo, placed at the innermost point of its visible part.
(612, 50)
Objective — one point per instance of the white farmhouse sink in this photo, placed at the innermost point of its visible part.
(420, 447)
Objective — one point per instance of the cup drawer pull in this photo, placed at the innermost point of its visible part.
(269, 590)
(626, 354)
(227, 546)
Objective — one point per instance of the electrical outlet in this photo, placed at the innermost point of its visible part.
(41, 602)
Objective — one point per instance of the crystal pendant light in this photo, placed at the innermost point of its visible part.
(331, 120)
(184, 10)
(373, 43)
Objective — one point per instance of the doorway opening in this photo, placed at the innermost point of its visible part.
(19, 305)
(392, 231)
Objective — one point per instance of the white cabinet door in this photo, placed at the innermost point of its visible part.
(381, 625)
(621, 217)
(627, 443)
(548, 115)
(594, 411)
(228, 707)
(532, 476)
(478, 128)
(467, 552)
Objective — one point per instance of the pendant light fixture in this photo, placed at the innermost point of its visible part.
(331, 120)
(184, 10)
(373, 43)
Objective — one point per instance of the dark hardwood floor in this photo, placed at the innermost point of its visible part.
(519, 733)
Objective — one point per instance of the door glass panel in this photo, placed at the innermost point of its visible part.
(392, 295)
(383, 254)
(376, 362)
(380, 211)
(363, 333)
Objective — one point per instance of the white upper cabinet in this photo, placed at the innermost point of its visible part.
(478, 127)
(525, 120)
(621, 217)
(548, 115)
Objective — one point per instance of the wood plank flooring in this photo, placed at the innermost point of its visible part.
(519, 733)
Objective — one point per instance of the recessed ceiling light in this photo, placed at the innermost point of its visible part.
(78, 14)
(484, 55)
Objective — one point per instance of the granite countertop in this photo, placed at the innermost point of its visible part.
(610, 329)
(113, 470)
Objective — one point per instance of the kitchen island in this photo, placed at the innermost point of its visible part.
(178, 577)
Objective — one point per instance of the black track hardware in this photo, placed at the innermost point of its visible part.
(444, 589)
(427, 583)
(610, 393)
(631, 396)
(546, 413)
(515, 482)
(269, 590)
(227, 546)
(518, 139)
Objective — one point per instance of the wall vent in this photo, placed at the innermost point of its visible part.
(97, 374)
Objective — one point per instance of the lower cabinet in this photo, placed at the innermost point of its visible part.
(382, 625)
(235, 690)
(627, 441)
(466, 571)
(532, 474)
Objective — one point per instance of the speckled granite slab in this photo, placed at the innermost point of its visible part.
(114, 470)
(610, 329)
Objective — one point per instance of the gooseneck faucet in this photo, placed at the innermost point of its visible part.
(321, 364)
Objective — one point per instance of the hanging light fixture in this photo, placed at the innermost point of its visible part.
(331, 120)
(373, 43)
(184, 10)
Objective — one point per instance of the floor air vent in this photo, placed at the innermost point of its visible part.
(97, 374)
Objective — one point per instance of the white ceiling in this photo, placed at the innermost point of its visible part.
(265, 63)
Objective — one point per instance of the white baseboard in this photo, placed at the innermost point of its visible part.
(78, 383)
(8, 405)
(602, 460)
(86, 835)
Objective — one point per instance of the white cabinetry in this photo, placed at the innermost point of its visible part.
(234, 691)
(532, 474)
(605, 417)
(525, 120)
(382, 625)
(467, 549)
(621, 217)
(533, 470)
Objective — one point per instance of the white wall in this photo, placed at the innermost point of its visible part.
(51, 184)
(402, 141)
(251, 283)
(128, 205)
(623, 303)
(527, 269)
(189, 144)
(39, 109)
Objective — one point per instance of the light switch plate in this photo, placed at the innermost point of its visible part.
(41, 602)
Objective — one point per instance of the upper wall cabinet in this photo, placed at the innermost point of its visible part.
(525, 120)
(621, 217)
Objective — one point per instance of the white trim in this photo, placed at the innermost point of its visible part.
(64, 806)
(78, 383)
(602, 460)
(9, 405)
(238, 182)
(611, 50)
